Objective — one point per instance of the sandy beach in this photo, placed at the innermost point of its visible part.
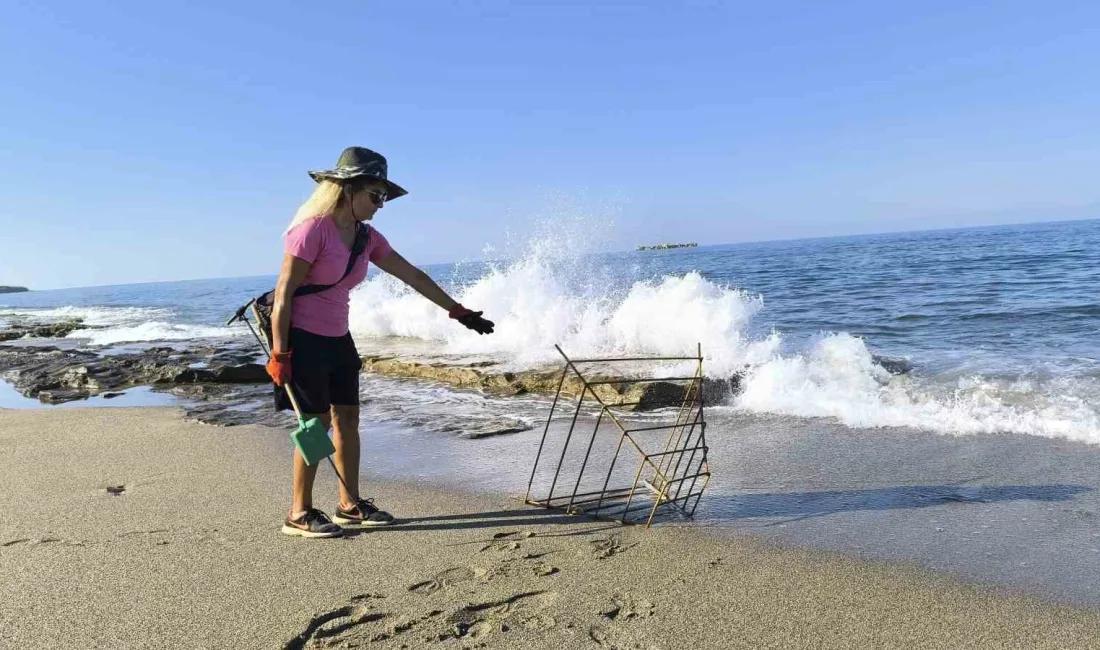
(188, 554)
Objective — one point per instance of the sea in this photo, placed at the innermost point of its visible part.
(981, 458)
(999, 326)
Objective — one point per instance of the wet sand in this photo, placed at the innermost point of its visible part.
(188, 554)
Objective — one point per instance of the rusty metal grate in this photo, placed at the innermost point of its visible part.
(590, 475)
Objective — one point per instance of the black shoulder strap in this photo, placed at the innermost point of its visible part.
(362, 238)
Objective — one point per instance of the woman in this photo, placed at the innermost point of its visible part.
(311, 346)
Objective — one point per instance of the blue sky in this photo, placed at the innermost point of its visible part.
(154, 141)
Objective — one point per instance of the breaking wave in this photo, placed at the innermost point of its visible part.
(548, 296)
(113, 325)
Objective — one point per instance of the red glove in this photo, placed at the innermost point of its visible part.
(278, 367)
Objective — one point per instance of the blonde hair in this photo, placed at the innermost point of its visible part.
(324, 200)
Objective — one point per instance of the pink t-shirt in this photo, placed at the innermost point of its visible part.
(318, 241)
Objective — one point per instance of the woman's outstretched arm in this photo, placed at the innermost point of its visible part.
(401, 269)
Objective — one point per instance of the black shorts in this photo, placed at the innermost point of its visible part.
(324, 370)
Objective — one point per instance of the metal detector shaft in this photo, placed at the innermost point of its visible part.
(239, 315)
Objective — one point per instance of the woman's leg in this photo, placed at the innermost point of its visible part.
(345, 420)
(303, 475)
(351, 510)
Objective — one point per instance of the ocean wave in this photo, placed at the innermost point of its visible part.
(539, 300)
(111, 325)
(154, 331)
(95, 316)
(837, 378)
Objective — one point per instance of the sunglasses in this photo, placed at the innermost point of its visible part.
(378, 197)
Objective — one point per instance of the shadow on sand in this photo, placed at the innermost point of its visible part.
(790, 506)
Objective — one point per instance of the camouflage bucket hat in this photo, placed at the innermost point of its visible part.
(360, 162)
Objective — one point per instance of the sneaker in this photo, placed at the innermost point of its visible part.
(363, 513)
(312, 524)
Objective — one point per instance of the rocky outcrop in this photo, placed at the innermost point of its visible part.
(892, 365)
(41, 330)
(641, 396)
(7, 289)
(53, 375)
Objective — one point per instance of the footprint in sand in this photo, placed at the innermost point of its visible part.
(501, 547)
(405, 624)
(337, 622)
(626, 607)
(448, 578)
(507, 541)
(623, 609)
(519, 567)
(539, 622)
(356, 623)
(610, 546)
(479, 620)
(598, 633)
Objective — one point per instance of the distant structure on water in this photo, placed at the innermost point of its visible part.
(661, 247)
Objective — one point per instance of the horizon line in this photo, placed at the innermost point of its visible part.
(629, 250)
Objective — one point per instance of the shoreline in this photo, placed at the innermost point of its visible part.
(190, 552)
(1013, 510)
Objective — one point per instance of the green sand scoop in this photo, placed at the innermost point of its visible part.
(311, 436)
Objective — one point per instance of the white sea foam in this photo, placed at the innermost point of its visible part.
(97, 316)
(111, 325)
(837, 378)
(153, 331)
(554, 292)
(534, 306)
(546, 297)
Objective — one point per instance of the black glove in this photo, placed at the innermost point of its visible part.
(472, 320)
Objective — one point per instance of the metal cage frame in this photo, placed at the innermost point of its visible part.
(668, 474)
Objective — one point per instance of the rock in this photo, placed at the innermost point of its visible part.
(77, 377)
(719, 391)
(41, 330)
(59, 396)
(160, 351)
(54, 375)
(9, 289)
(57, 330)
(476, 433)
(643, 396)
(892, 365)
(249, 373)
